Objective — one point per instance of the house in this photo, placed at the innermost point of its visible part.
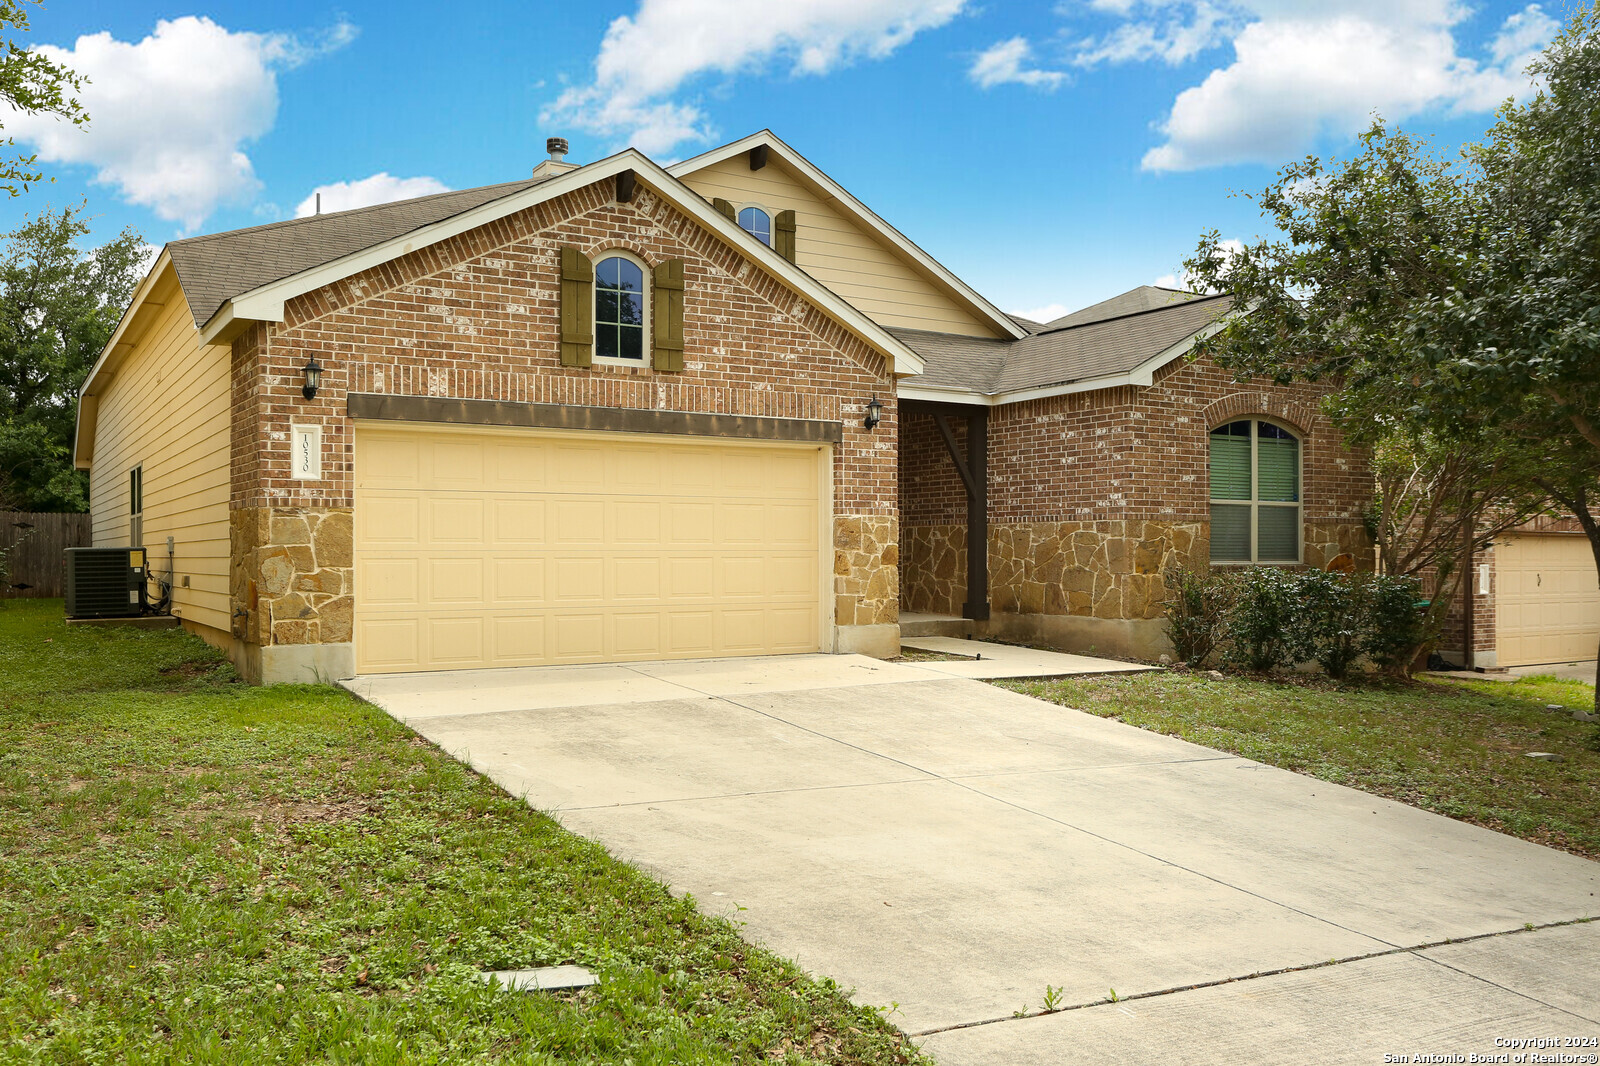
(623, 412)
(1531, 599)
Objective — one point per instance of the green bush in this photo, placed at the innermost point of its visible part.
(1335, 617)
(1264, 628)
(1197, 612)
(1395, 625)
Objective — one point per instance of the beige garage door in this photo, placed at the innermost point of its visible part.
(487, 548)
(1548, 600)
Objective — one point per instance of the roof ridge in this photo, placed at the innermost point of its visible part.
(287, 222)
(1133, 314)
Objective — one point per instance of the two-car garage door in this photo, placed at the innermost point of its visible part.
(521, 547)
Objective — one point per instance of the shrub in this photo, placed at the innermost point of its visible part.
(1264, 627)
(1197, 612)
(1335, 617)
(1395, 625)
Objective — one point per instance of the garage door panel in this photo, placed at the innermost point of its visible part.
(505, 548)
(1547, 600)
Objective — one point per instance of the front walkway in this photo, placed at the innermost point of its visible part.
(952, 850)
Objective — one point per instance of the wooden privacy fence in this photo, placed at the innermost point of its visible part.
(33, 544)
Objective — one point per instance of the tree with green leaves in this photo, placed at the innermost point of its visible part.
(58, 307)
(1455, 304)
(32, 83)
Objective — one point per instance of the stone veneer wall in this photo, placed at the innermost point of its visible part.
(478, 317)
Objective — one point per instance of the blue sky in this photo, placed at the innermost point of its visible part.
(1050, 154)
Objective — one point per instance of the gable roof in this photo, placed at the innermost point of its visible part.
(1099, 353)
(863, 216)
(219, 266)
(1143, 298)
(305, 254)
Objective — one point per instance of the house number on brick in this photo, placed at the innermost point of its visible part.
(306, 442)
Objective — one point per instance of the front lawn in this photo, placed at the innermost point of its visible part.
(195, 870)
(1455, 747)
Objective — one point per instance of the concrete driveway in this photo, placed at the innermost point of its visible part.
(953, 848)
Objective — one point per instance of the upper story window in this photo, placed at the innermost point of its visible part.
(619, 297)
(757, 223)
(1255, 493)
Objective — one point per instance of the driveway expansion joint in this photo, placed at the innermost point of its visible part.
(1414, 949)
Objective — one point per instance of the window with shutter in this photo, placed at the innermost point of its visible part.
(757, 223)
(1255, 493)
(619, 310)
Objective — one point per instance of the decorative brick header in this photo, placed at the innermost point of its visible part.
(1298, 415)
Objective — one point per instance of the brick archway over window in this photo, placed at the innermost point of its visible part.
(1296, 416)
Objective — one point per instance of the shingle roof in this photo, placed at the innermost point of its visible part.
(1144, 298)
(215, 268)
(1060, 355)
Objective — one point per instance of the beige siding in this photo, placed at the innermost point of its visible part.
(166, 408)
(832, 248)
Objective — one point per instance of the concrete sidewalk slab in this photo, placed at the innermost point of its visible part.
(953, 847)
(1346, 1015)
(1009, 661)
(1553, 966)
(953, 905)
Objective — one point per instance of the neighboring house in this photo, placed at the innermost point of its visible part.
(1533, 598)
(625, 412)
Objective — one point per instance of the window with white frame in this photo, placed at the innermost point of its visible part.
(1255, 493)
(619, 310)
(757, 223)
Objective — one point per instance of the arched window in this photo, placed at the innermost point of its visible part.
(619, 297)
(757, 223)
(1255, 493)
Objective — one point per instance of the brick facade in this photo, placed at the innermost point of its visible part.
(1092, 496)
(477, 317)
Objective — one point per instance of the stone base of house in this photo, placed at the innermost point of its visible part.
(296, 664)
(1126, 638)
(878, 641)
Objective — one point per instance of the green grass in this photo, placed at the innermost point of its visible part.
(1455, 747)
(195, 870)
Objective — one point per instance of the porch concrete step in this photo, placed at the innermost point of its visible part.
(935, 625)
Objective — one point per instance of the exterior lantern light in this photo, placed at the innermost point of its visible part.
(874, 413)
(313, 374)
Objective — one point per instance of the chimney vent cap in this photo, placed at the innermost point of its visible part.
(557, 147)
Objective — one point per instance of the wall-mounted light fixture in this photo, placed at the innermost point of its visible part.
(874, 413)
(313, 374)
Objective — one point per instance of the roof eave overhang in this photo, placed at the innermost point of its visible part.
(863, 214)
(266, 303)
(104, 366)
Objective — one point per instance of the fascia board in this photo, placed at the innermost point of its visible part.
(861, 211)
(266, 303)
(152, 276)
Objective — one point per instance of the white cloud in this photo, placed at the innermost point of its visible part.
(380, 188)
(170, 114)
(1302, 70)
(649, 56)
(1042, 314)
(1003, 64)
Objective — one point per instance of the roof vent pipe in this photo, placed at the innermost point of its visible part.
(557, 147)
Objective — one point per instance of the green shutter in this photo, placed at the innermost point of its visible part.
(667, 329)
(783, 234)
(577, 308)
(726, 208)
(1279, 475)
(1230, 467)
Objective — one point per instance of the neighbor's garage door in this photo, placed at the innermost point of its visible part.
(1548, 599)
(492, 547)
